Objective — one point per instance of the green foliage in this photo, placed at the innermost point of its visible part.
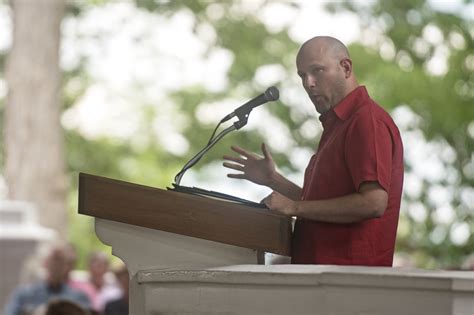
(2, 62)
(75, 83)
(169, 7)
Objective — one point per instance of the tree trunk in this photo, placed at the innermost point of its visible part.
(34, 157)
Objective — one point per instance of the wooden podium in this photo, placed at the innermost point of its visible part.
(155, 229)
(195, 216)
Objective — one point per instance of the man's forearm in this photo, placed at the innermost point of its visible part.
(370, 202)
(285, 187)
(346, 209)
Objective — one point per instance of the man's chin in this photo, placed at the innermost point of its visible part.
(320, 104)
(321, 108)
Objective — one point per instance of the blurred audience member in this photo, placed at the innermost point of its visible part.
(98, 287)
(61, 307)
(26, 299)
(71, 256)
(120, 306)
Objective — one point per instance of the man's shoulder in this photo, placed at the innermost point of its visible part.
(370, 111)
(28, 294)
(30, 289)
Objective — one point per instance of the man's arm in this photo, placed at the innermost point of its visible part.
(285, 187)
(368, 203)
(261, 171)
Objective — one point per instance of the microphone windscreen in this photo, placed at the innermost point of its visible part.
(272, 94)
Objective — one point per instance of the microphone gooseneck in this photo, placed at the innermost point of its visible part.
(242, 113)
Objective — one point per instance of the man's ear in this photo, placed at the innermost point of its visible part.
(346, 65)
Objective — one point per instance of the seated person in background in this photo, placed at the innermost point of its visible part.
(26, 299)
(98, 288)
(61, 307)
(120, 306)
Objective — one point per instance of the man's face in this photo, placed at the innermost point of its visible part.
(322, 76)
(98, 268)
(57, 266)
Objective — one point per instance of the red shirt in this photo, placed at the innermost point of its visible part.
(360, 143)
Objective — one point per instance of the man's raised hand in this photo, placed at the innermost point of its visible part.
(252, 167)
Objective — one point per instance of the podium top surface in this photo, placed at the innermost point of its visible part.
(196, 216)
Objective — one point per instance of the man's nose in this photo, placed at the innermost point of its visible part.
(309, 82)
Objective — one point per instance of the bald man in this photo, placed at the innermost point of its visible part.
(347, 210)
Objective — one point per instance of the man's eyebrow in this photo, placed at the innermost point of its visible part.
(315, 65)
(311, 67)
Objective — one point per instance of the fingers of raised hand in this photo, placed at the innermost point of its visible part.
(244, 153)
(238, 160)
(265, 152)
(240, 176)
(237, 167)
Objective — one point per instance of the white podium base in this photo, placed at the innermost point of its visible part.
(175, 274)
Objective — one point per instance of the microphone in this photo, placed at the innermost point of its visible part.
(271, 94)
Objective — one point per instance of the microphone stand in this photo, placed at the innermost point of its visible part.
(243, 118)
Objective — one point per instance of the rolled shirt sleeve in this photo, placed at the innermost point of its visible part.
(368, 151)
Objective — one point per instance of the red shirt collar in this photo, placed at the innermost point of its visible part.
(344, 109)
